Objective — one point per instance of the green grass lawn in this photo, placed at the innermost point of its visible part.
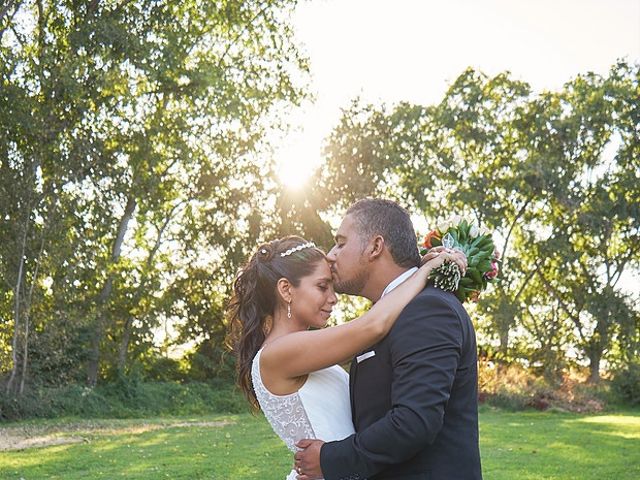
(523, 445)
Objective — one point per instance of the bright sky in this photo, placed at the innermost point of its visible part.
(393, 50)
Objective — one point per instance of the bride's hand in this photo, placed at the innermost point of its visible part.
(437, 255)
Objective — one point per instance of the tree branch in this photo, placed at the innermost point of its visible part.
(243, 31)
(618, 273)
(4, 12)
(533, 271)
(513, 224)
(573, 316)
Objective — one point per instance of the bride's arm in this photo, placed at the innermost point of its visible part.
(300, 353)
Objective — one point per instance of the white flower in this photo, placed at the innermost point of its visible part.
(474, 230)
(444, 226)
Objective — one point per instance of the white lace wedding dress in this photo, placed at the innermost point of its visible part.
(320, 409)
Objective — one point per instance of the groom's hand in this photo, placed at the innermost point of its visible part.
(308, 460)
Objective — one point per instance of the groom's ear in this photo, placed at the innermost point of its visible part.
(376, 247)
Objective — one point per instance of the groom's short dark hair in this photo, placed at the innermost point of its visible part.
(376, 216)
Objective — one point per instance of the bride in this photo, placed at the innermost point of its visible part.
(287, 362)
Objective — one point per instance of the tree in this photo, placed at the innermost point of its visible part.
(131, 131)
(535, 169)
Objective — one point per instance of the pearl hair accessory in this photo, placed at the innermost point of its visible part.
(297, 249)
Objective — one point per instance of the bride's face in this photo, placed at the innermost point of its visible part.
(314, 298)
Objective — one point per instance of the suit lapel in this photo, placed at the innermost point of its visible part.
(353, 371)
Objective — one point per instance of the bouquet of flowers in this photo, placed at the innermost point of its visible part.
(464, 234)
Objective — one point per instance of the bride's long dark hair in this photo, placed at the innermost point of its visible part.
(255, 299)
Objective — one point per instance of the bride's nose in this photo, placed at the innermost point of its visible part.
(333, 299)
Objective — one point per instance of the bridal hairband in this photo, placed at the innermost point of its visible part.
(297, 249)
(292, 250)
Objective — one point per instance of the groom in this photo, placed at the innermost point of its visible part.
(414, 394)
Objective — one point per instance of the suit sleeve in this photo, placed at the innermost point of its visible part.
(425, 346)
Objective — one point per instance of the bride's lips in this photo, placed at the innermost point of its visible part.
(326, 312)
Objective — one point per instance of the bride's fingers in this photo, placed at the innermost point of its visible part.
(462, 264)
(428, 257)
(458, 259)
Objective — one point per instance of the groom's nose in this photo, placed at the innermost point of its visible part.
(331, 256)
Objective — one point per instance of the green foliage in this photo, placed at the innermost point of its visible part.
(131, 134)
(135, 177)
(126, 398)
(554, 175)
(626, 383)
(163, 369)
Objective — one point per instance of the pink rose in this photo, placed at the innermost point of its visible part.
(493, 273)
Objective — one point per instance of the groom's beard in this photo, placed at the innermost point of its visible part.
(354, 286)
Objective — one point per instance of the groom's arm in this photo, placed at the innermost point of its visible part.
(425, 351)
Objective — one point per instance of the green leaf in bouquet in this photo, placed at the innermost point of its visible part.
(476, 241)
(466, 282)
(472, 261)
(484, 242)
(484, 265)
(489, 248)
(461, 294)
(463, 232)
(474, 275)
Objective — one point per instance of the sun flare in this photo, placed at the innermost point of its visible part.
(297, 163)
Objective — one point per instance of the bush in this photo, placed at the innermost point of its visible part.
(513, 387)
(626, 383)
(163, 369)
(124, 398)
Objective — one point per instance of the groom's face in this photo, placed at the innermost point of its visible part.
(348, 263)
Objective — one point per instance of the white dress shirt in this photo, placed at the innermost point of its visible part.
(398, 280)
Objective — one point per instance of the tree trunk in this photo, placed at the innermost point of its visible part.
(126, 333)
(96, 339)
(124, 344)
(105, 294)
(25, 355)
(27, 316)
(16, 329)
(594, 367)
(16, 315)
(504, 343)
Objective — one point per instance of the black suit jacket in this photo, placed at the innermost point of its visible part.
(414, 402)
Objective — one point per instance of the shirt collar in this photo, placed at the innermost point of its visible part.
(398, 280)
